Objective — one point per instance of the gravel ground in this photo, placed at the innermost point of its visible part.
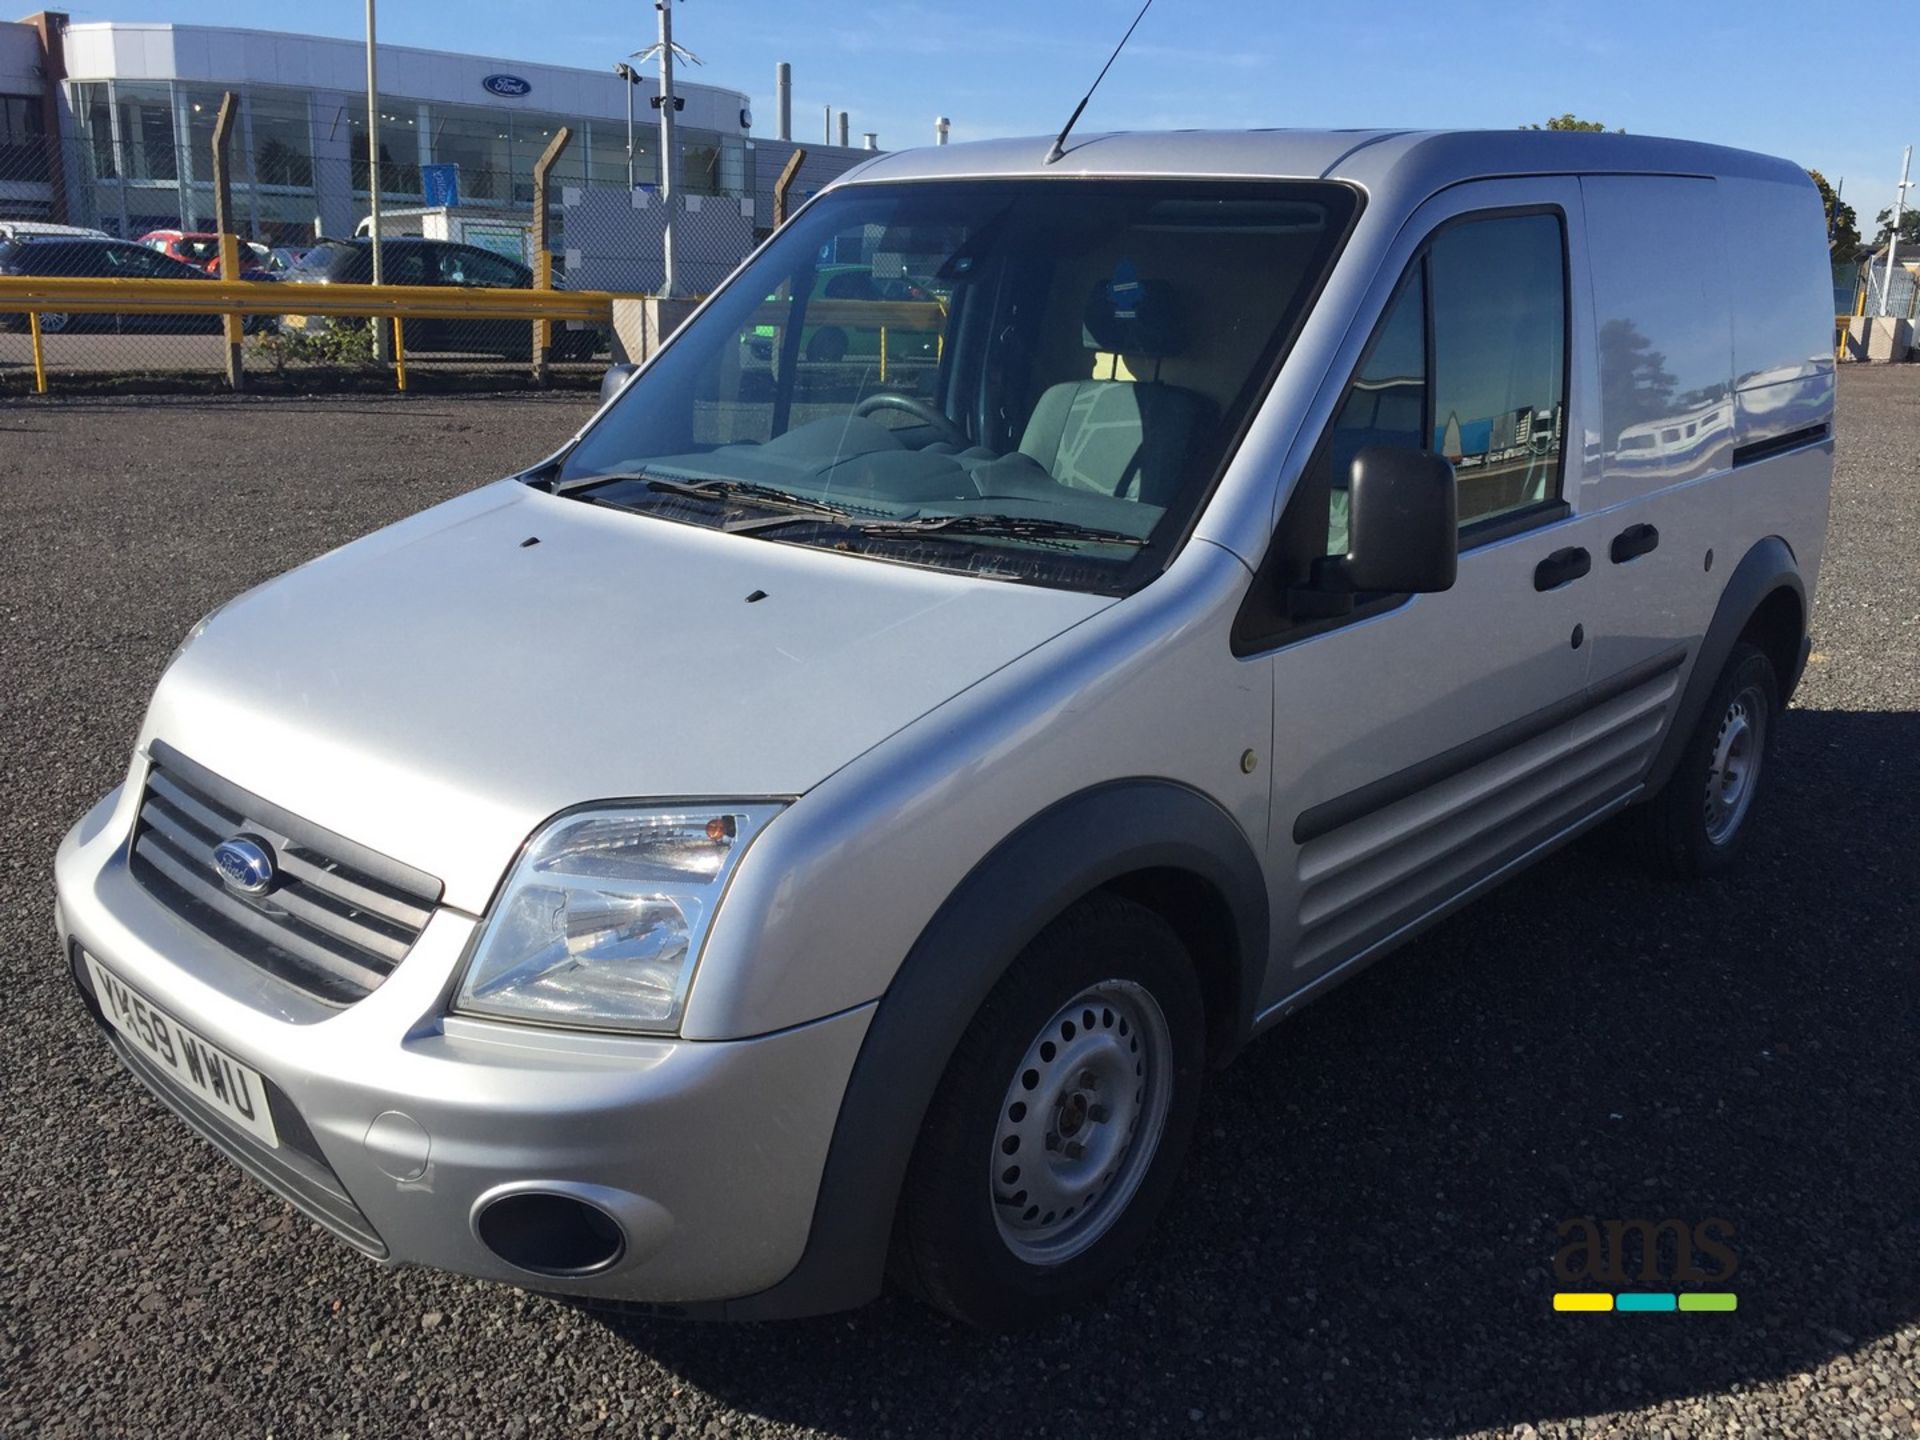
(1364, 1241)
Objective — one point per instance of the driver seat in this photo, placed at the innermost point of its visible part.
(1124, 438)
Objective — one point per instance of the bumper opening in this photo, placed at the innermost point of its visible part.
(548, 1234)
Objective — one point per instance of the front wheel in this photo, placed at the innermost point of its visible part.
(1699, 821)
(1060, 1124)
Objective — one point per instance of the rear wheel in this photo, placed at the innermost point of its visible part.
(52, 322)
(1699, 822)
(1059, 1127)
(828, 346)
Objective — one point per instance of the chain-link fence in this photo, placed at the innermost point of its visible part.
(144, 209)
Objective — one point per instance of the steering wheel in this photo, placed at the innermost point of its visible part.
(919, 410)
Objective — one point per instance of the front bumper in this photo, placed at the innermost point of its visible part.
(707, 1153)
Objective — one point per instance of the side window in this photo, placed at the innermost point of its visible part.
(132, 261)
(1469, 362)
(462, 265)
(1499, 360)
(401, 265)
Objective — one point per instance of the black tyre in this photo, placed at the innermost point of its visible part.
(828, 346)
(1698, 824)
(1060, 1124)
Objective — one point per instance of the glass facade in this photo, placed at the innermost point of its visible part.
(145, 154)
(23, 151)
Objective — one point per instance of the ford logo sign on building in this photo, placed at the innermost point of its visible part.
(244, 863)
(512, 87)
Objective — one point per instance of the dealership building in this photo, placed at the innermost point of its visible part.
(111, 125)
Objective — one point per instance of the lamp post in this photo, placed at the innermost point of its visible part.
(627, 73)
(373, 148)
(667, 102)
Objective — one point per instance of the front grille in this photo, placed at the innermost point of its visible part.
(337, 917)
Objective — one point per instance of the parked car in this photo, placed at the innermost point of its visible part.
(415, 261)
(832, 341)
(282, 258)
(103, 258)
(772, 844)
(201, 249)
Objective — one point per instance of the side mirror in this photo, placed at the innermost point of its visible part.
(1402, 525)
(615, 380)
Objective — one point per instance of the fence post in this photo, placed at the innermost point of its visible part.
(789, 173)
(232, 324)
(542, 251)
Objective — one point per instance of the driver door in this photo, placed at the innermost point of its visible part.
(1424, 744)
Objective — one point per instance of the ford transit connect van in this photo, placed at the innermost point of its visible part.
(826, 820)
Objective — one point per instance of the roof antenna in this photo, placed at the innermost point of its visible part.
(1060, 140)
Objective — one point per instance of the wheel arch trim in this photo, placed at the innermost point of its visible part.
(1767, 569)
(1079, 845)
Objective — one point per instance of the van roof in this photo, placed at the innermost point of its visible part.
(1414, 163)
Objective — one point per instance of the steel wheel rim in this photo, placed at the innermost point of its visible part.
(52, 322)
(1733, 769)
(1080, 1122)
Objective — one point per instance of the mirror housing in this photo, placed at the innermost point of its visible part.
(1403, 534)
(615, 380)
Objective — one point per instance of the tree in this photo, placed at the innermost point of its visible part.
(1843, 226)
(1635, 384)
(1570, 121)
(1909, 227)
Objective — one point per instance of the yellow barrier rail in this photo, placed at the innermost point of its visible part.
(35, 295)
(267, 297)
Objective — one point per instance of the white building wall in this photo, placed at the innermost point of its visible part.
(110, 50)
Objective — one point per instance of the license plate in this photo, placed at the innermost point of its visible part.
(294, 322)
(233, 1091)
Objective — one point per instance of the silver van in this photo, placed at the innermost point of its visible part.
(824, 822)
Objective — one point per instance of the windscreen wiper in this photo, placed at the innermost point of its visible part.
(741, 490)
(1016, 527)
(717, 488)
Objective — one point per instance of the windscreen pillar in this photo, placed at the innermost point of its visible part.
(543, 247)
(231, 323)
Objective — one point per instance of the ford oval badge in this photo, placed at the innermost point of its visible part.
(244, 863)
(510, 86)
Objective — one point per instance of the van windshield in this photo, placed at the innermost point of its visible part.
(1034, 380)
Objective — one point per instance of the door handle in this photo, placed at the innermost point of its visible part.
(1633, 542)
(1562, 567)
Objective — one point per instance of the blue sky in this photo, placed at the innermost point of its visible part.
(1762, 74)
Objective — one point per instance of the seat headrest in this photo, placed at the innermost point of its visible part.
(1129, 316)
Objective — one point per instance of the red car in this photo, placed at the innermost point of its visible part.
(201, 249)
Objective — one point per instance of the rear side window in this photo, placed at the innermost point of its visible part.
(346, 264)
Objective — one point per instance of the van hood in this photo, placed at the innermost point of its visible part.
(439, 688)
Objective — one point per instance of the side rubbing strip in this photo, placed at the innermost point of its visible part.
(1778, 445)
(1330, 815)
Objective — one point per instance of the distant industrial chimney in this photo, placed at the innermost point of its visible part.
(827, 139)
(941, 125)
(783, 98)
(844, 132)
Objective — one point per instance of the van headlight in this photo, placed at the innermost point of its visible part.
(601, 922)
